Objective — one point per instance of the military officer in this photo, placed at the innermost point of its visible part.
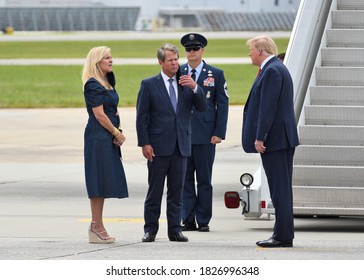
(208, 129)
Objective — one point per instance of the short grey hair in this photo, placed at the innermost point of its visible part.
(166, 47)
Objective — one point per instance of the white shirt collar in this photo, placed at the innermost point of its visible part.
(166, 78)
(266, 60)
(198, 68)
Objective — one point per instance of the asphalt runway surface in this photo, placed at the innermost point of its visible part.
(45, 211)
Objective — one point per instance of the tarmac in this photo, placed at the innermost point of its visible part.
(45, 210)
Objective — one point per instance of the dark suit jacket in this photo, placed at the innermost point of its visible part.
(213, 122)
(156, 122)
(269, 112)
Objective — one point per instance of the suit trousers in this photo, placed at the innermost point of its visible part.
(197, 198)
(278, 166)
(174, 169)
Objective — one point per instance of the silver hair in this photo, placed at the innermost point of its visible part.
(166, 47)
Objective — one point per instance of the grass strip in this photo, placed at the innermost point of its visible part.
(61, 87)
(121, 49)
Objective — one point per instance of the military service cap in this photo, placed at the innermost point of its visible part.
(193, 39)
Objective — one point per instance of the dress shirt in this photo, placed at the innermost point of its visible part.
(166, 83)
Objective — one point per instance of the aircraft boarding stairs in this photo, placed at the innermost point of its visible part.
(328, 174)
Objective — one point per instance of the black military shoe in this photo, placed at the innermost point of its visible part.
(203, 228)
(189, 226)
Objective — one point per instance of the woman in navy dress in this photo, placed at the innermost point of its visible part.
(104, 172)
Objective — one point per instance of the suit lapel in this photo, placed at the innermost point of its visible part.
(184, 69)
(164, 93)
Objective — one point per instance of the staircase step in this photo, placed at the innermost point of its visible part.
(334, 115)
(350, 4)
(338, 176)
(333, 95)
(331, 135)
(328, 200)
(351, 38)
(329, 155)
(348, 19)
(340, 76)
(343, 56)
(330, 210)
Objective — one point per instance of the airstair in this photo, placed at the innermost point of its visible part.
(328, 174)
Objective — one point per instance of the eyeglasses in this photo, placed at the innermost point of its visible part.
(188, 49)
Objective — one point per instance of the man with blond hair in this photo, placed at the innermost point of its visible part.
(269, 128)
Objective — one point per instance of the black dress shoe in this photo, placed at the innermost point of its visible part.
(148, 237)
(178, 236)
(189, 226)
(272, 243)
(203, 228)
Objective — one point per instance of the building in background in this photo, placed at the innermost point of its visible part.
(37, 3)
(150, 7)
(150, 15)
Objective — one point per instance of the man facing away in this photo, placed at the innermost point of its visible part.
(208, 129)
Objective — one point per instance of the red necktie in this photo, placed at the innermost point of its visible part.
(260, 70)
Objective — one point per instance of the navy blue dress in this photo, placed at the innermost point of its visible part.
(104, 171)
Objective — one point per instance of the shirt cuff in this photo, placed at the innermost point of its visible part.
(195, 89)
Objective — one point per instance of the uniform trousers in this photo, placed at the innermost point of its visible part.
(197, 198)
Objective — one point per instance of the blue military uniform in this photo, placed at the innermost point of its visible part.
(197, 198)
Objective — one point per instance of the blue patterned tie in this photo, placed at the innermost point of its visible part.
(172, 94)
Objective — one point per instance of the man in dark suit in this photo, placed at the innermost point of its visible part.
(163, 126)
(208, 129)
(269, 128)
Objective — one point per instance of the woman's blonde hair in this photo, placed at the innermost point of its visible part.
(264, 43)
(91, 66)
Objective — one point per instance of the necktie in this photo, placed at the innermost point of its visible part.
(193, 75)
(260, 70)
(172, 94)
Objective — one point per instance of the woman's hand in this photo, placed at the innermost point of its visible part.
(119, 139)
